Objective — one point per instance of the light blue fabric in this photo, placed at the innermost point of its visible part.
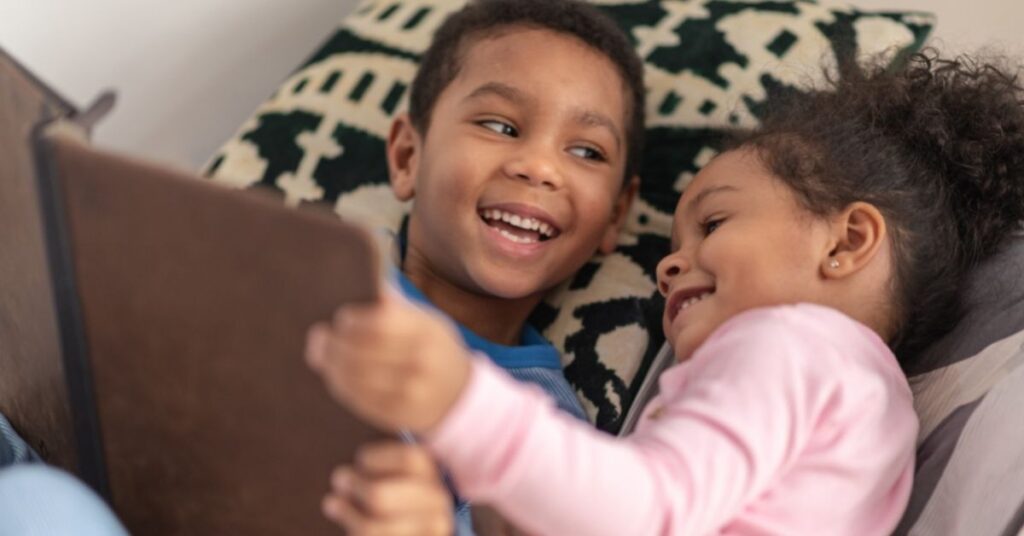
(534, 361)
(39, 500)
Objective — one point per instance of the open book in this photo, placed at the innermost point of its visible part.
(183, 396)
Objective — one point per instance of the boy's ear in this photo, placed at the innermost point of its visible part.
(859, 231)
(403, 152)
(620, 210)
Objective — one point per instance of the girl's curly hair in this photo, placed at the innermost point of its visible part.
(937, 145)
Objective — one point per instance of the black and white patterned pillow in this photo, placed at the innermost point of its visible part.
(709, 65)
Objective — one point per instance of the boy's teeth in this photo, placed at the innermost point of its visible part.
(522, 222)
(516, 238)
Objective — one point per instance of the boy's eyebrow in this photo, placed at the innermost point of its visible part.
(590, 118)
(692, 205)
(499, 89)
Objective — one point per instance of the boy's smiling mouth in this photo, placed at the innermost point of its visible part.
(518, 226)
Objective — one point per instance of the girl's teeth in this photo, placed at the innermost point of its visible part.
(690, 301)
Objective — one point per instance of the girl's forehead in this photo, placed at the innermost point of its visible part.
(736, 169)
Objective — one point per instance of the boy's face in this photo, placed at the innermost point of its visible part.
(740, 240)
(518, 179)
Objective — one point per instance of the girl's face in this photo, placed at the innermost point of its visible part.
(740, 240)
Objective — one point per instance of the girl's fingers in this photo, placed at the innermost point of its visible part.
(370, 337)
(403, 482)
(349, 356)
(342, 480)
(357, 523)
(425, 526)
(397, 497)
(369, 318)
(395, 458)
(343, 512)
(316, 345)
(393, 497)
(347, 317)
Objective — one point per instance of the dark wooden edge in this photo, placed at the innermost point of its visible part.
(81, 398)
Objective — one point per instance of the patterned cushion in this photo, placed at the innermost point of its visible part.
(710, 65)
(970, 459)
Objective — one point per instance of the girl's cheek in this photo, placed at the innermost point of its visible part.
(706, 254)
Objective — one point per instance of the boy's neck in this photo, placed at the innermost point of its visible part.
(498, 320)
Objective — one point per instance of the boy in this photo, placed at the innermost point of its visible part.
(520, 151)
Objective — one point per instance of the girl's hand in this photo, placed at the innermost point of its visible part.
(394, 489)
(394, 364)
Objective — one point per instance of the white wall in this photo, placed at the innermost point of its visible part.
(967, 25)
(190, 71)
(187, 72)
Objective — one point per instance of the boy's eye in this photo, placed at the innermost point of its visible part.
(709, 226)
(500, 127)
(587, 153)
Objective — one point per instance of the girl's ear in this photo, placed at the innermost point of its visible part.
(403, 152)
(859, 232)
(620, 210)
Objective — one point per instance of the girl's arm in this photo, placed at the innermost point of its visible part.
(730, 423)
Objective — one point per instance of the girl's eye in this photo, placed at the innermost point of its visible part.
(587, 153)
(500, 127)
(709, 226)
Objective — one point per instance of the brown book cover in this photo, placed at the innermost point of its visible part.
(173, 334)
(188, 330)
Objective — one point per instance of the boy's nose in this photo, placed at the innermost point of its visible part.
(535, 167)
(673, 265)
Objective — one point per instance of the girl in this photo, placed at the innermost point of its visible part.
(804, 261)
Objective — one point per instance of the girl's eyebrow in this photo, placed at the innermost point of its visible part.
(699, 198)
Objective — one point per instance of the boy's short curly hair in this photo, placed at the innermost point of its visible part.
(442, 60)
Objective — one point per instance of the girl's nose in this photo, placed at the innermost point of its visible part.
(671, 266)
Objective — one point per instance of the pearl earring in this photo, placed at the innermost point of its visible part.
(833, 264)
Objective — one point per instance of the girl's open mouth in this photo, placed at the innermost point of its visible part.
(684, 299)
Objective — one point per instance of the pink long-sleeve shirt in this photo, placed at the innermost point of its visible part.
(787, 420)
